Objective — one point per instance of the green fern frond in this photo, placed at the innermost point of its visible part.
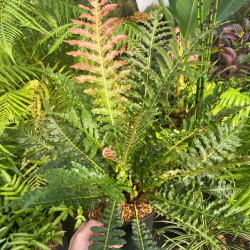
(62, 11)
(14, 187)
(14, 105)
(13, 74)
(190, 210)
(16, 13)
(240, 174)
(157, 66)
(87, 125)
(97, 177)
(37, 226)
(108, 234)
(220, 188)
(142, 238)
(63, 186)
(233, 98)
(134, 132)
(211, 153)
(31, 173)
(59, 34)
(241, 199)
(56, 140)
(131, 30)
(143, 55)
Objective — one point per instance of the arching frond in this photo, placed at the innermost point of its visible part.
(17, 13)
(199, 220)
(13, 74)
(209, 154)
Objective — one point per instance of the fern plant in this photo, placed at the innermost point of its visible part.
(104, 148)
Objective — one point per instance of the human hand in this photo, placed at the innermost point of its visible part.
(80, 239)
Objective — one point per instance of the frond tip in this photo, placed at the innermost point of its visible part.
(102, 82)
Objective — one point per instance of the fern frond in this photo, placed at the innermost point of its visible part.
(233, 98)
(142, 237)
(102, 84)
(56, 140)
(16, 13)
(87, 125)
(36, 227)
(134, 132)
(157, 66)
(97, 177)
(211, 153)
(13, 106)
(13, 74)
(108, 235)
(62, 11)
(40, 90)
(59, 34)
(220, 188)
(63, 186)
(241, 199)
(14, 187)
(129, 29)
(189, 210)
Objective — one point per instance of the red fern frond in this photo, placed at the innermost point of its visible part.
(103, 81)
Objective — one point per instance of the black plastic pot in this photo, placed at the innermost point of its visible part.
(149, 220)
(69, 225)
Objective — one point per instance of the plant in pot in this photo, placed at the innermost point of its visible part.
(112, 147)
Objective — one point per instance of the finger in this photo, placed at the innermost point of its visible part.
(115, 246)
(94, 223)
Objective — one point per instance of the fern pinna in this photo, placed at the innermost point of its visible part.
(102, 83)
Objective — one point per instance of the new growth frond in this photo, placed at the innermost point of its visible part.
(105, 72)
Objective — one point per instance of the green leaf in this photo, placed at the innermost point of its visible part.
(97, 177)
(185, 12)
(227, 8)
(108, 234)
(167, 14)
(142, 238)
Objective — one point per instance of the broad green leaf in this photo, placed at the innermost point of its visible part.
(227, 8)
(185, 12)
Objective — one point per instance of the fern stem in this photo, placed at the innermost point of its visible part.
(109, 226)
(138, 227)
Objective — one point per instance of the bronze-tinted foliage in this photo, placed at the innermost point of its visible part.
(102, 78)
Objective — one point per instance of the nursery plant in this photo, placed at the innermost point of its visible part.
(116, 141)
